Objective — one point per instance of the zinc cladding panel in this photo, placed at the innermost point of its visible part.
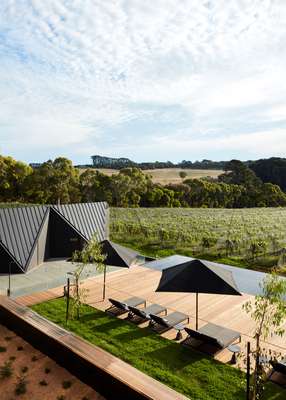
(19, 228)
(87, 218)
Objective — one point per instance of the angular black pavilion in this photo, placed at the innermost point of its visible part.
(197, 276)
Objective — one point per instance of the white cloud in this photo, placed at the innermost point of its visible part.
(276, 113)
(48, 131)
(241, 145)
(80, 70)
(246, 143)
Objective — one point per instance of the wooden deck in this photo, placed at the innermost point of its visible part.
(141, 281)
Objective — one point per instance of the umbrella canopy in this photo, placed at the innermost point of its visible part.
(197, 276)
(117, 255)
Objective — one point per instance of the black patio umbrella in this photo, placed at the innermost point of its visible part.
(197, 276)
(120, 256)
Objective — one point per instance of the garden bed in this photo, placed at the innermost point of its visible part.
(42, 378)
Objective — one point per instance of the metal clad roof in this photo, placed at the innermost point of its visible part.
(87, 218)
(5, 232)
(27, 222)
(18, 230)
(20, 226)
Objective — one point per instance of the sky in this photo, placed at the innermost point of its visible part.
(148, 80)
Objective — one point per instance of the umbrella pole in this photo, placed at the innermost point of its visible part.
(104, 279)
(197, 311)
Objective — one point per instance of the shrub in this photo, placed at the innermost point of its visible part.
(8, 338)
(47, 370)
(24, 370)
(20, 348)
(12, 358)
(21, 385)
(66, 384)
(6, 370)
(34, 358)
(61, 397)
(43, 383)
(2, 349)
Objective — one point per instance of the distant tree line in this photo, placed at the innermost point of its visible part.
(59, 181)
(119, 163)
(272, 170)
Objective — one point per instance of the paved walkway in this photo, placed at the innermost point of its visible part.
(50, 274)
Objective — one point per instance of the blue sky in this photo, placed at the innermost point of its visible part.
(154, 80)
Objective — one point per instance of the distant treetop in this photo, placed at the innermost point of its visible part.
(119, 163)
(107, 162)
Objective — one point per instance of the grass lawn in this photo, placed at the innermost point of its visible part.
(157, 250)
(189, 372)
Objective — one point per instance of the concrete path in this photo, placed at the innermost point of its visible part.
(50, 274)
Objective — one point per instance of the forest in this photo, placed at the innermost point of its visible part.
(58, 181)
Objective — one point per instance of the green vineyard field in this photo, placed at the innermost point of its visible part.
(252, 238)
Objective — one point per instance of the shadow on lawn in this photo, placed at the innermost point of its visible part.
(134, 334)
(92, 316)
(103, 327)
(175, 356)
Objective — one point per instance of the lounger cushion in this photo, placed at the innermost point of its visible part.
(154, 309)
(135, 301)
(169, 321)
(176, 317)
(214, 334)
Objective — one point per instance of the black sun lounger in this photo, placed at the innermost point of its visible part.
(143, 314)
(161, 325)
(278, 366)
(213, 338)
(122, 307)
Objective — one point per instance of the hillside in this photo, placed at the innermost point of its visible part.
(170, 175)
